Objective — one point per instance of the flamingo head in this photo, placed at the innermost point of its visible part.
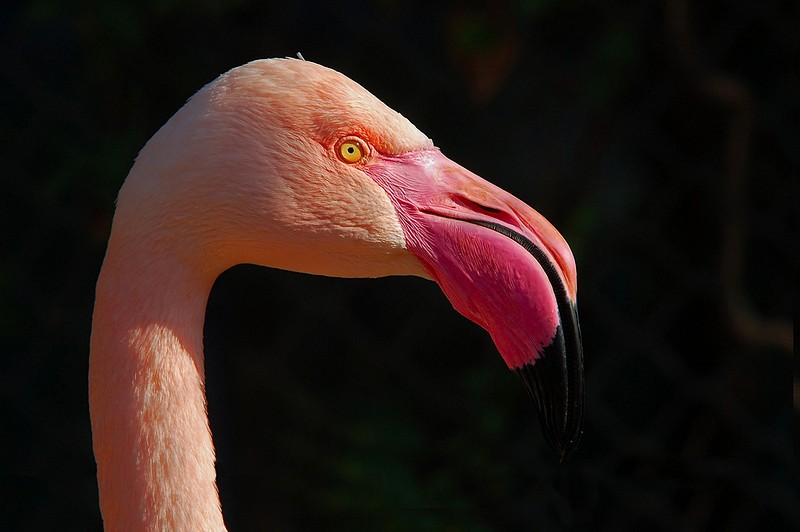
(289, 164)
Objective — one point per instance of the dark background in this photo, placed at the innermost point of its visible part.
(659, 137)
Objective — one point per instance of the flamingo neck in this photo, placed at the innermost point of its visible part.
(152, 443)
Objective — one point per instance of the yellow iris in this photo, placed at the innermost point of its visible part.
(351, 151)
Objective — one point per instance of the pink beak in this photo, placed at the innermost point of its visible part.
(505, 267)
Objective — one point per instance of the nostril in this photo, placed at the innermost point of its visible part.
(490, 210)
(474, 205)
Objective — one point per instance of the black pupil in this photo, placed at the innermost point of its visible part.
(350, 149)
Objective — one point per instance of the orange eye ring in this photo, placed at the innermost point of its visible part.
(352, 150)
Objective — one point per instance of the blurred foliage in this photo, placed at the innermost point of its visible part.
(369, 404)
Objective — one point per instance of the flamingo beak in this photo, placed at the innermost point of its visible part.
(505, 267)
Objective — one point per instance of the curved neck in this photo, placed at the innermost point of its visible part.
(152, 443)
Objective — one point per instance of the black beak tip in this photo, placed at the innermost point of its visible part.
(555, 382)
(568, 448)
(561, 419)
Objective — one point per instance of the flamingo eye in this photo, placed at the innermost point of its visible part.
(352, 150)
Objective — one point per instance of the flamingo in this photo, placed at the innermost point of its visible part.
(287, 164)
